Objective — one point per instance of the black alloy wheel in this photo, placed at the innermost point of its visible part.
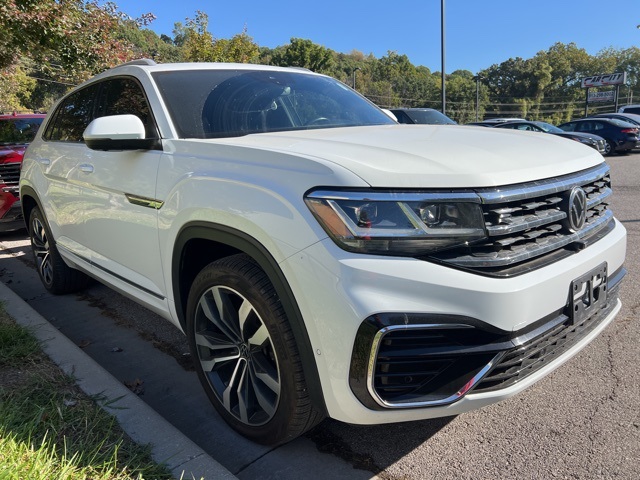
(244, 352)
(56, 276)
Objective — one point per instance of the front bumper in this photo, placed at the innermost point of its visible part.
(625, 145)
(10, 212)
(424, 361)
(338, 291)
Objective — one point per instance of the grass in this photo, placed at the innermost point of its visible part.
(49, 429)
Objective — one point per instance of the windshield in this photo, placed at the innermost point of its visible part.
(231, 103)
(17, 131)
(547, 127)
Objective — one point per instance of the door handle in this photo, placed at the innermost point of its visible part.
(86, 168)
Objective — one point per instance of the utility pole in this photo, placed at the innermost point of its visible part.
(444, 89)
(354, 76)
(477, 96)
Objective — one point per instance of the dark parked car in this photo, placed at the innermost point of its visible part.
(620, 136)
(16, 131)
(428, 116)
(630, 109)
(625, 117)
(593, 141)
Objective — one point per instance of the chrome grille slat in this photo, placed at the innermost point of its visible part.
(9, 173)
(508, 257)
(527, 221)
(544, 187)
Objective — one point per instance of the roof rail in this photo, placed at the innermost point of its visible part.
(138, 61)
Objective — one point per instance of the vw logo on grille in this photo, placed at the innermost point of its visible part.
(577, 209)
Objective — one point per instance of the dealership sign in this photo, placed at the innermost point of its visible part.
(609, 96)
(605, 80)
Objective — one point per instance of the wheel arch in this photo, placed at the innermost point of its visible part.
(28, 201)
(200, 243)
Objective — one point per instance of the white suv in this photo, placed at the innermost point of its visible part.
(322, 259)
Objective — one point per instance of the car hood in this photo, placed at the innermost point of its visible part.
(419, 156)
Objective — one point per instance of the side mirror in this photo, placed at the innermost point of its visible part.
(118, 132)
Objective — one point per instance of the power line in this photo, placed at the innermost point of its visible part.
(55, 81)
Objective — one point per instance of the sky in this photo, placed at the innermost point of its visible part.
(478, 33)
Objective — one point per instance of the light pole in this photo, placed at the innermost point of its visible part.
(444, 88)
(354, 76)
(477, 96)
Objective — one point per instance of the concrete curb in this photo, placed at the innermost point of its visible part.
(168, 445)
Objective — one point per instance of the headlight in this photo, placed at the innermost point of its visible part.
(586, 140)
(398, 223)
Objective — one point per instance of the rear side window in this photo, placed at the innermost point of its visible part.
(72, 117)
(117, 96)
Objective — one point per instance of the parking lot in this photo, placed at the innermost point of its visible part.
(582, 421)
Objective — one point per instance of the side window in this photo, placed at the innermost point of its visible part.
(122, 96)
(597, 126)
(402, 117)
(72, 117)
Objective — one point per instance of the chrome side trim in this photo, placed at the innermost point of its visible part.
(144, 201)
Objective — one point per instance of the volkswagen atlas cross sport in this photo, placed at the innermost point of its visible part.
(322, 259)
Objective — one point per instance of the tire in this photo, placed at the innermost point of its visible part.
(609, 147)
(57, 277)
(245, 353)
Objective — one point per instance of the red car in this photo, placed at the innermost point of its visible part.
(16, 132)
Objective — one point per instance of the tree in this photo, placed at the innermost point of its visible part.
(199, 44)
(15, 89)
(240, 49)
(198, 41)
(80, 36)
(461, 96)
(62, 42)
(305, 54)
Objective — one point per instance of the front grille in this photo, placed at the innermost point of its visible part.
(9, 174)
(530, 357)
(525, 222)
